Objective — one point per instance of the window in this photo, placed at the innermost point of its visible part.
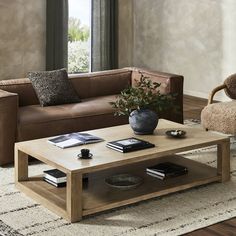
(79, 43)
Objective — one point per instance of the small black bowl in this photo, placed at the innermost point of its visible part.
(176, 133)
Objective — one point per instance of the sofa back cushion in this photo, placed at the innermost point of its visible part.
(23, 88)
(86, 85)
(101, 83)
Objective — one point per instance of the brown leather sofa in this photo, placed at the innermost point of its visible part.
(22, 118)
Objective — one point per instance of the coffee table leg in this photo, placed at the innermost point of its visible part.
(21, 166)
(223, 160)
(74, 196)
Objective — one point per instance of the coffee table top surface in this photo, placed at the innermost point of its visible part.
(103, 157)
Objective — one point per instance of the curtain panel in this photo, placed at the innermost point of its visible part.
(104, 49)
(56, 34)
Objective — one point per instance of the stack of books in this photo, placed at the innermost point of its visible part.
(166, 170)
(55, 177)
(129, 145)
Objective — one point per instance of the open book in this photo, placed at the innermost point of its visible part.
(74, 139)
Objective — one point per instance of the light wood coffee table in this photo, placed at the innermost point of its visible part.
(75, 201)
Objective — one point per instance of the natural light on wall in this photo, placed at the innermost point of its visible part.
(79, 36)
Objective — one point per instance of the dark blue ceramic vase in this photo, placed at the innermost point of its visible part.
(143, 121)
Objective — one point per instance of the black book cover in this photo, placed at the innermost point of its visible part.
(167, 169)
(63, 184)
(163, 177)
(55, 173)
(58, 177)
(129, 145)
(55, 176)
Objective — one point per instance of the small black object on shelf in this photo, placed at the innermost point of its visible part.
(55, 177)
(58, 178)
(85, 154)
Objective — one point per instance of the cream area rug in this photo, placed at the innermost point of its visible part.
(173, 214)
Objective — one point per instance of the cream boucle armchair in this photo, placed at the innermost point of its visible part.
(221, 116)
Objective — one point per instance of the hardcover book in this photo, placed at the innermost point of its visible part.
(129, 145)
(74, 139)
(63, 184)
(166, 169)
(55, 176)
(58, 178)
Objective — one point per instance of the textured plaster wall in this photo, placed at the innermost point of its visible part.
(22, 37)
(195, 38)
(125, 38)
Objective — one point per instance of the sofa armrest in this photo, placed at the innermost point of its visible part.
(8, 125)
(170, 83)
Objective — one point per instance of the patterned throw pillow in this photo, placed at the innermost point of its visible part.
(53, 87)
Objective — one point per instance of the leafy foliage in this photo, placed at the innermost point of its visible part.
(76, 31)
(78, 46)
(78, 57)
(145, 95)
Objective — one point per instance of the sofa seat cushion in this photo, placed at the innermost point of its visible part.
(36, 121)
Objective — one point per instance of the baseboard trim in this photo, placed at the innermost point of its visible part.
(218, 97)
(196, 94)
(196, 98)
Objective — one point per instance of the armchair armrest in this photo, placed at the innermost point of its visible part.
(170, 83)
(214, 91)
(8, 125)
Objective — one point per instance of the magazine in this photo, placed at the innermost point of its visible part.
(74, 139)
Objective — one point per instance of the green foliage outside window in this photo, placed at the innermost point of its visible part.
(76, 31)
(78, 56)
(78, 46)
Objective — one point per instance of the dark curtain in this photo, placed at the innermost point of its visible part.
(56, 34)
(104, 50)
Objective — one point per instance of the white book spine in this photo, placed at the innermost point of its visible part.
(55, 180)
(119, 150)
(51, 182)
(156, 176)
(155, 172)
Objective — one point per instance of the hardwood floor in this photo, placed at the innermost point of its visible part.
(193, 107)
(192, 110)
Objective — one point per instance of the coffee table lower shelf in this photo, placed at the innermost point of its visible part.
(97, 196)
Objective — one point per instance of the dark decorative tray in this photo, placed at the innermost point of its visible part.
(123, 181)
(176, 133)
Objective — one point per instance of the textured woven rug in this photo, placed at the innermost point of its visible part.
(173, 214)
